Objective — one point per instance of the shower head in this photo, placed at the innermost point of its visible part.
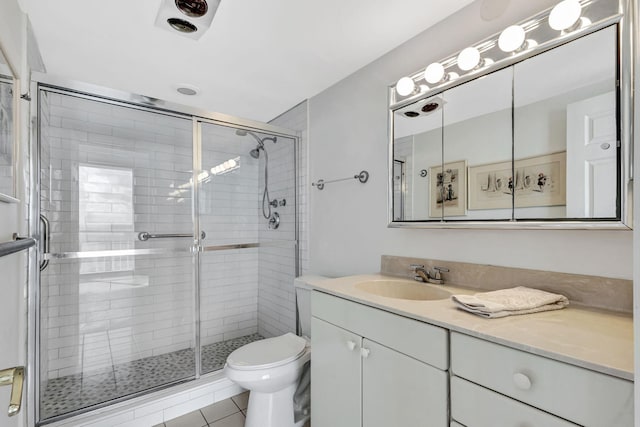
(255, 153)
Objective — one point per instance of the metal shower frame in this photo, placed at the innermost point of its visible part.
(198, 117)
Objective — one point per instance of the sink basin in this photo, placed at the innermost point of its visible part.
(403, 289)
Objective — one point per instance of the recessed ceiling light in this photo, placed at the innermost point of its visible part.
(186, 89)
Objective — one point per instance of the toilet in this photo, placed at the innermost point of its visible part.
(271, 369)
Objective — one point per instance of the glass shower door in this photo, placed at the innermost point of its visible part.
(247, 205)
(117, 286)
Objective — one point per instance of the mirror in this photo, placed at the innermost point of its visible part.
(565, 134)
(7, 131)
(477, 133)
(533, 141)
(417, 148)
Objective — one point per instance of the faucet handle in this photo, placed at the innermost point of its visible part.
(439, 270)
(415, 267)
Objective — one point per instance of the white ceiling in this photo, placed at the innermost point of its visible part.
(259, 58)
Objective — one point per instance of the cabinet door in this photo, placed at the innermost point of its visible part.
(398, 390)
(477, 406)
(335, 376)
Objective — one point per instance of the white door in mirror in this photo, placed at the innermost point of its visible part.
(592, 157)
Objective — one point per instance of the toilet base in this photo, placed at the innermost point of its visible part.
(271, 409)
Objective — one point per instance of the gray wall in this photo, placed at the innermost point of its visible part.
(348, 132)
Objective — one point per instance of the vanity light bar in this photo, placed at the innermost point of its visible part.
(563, 21)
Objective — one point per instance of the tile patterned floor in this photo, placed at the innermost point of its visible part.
(66, 394)
(227, 413)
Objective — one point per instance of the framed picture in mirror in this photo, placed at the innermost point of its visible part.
(538, 181)
(448, 189)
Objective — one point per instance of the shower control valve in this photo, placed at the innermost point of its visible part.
(274, 221)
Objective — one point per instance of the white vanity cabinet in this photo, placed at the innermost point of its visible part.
(372, 368)
(492, 382)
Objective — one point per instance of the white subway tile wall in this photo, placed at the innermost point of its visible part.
(45, 188)
(276, 301)
(109, 172)
(228, 205)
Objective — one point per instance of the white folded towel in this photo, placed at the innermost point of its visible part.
(509, 302)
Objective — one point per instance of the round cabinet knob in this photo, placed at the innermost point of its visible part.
(364, 352)
(522, 381)
(351, 345)
(605, 145)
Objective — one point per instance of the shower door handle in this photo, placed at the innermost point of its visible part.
(46, 228)
(15, 378)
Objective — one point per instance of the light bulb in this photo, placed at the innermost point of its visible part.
(434, 73)
(512, 38)
(469, 59)
(565, 14)
(405, 86)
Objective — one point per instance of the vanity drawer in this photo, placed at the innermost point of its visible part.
(476, 406)
(582, 396)
(419, 340)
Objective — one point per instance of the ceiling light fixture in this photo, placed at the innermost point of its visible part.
(512, 39)
(469, 59)
(187, 89)
(434, 73)
(565, 15)
(516, 40)
(405, 86)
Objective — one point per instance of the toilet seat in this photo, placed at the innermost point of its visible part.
(267, 353)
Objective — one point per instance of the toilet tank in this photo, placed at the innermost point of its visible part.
(303, 286)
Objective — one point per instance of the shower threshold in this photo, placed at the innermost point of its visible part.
(77, 392)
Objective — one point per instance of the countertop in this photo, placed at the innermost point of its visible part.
(594, 339)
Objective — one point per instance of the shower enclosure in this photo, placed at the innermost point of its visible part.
(156, 260)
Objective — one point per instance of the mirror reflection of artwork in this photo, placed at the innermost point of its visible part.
(539, 181)
(448, 189)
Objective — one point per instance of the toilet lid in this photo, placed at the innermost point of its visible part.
(267, 353)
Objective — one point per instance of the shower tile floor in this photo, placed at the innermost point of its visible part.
(73, 392)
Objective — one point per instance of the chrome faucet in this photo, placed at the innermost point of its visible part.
(423, 275)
